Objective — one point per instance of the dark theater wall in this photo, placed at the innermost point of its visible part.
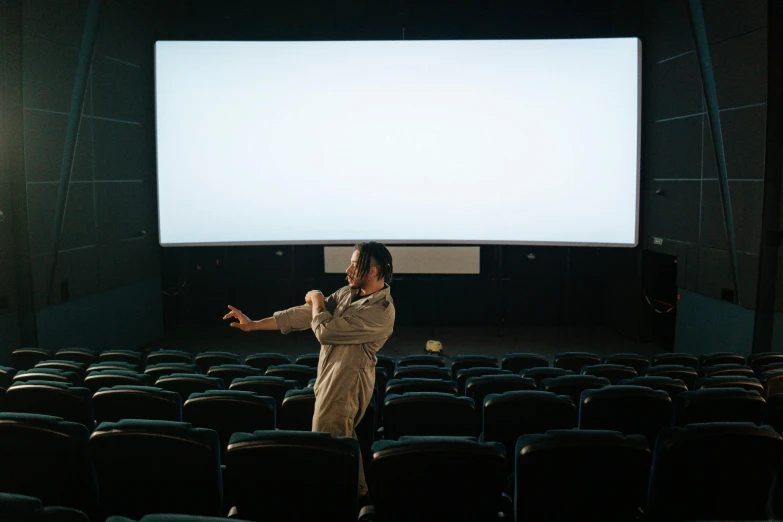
(681, 198)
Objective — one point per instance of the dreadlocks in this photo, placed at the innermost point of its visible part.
(373, 251)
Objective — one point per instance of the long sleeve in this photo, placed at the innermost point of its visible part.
(294, 319)
(371, 324)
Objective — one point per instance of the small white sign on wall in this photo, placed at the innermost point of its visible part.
(413, 259)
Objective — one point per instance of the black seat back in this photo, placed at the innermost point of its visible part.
(109, 378)
(136, 402)
(720, 471)
(128, 356)
(229, 372)
(186, 384)
(539, 374)
(686, 374)
(731, 381)
(463, 362)
(638, 362)
(510, 415)
(676, 359)
(614, 372)
(516, 362)
(670, 385)
(169, 356)
(157, 467)
(581, 475)
(718, 405)
(263, 361)
(429, 413)
(401, 386)
(80, 355)
(308, 359)
(415, 479)
(627, 409)
(421, 360)
(422, 372)
(719, 358)
(294, 372)
(476, 371)
(297, 411)
(574, 385)
(229, 411)
(27, 358)
(266, 386)
(292, 487)
(574, 361)
(206, 360)
(56, 399)
(47, 458)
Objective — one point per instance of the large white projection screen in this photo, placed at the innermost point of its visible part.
(436, 142)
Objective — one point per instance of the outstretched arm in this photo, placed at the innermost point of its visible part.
(244, 323)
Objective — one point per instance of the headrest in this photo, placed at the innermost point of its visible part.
(518, 396)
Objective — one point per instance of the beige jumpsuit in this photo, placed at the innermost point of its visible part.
(350, 333)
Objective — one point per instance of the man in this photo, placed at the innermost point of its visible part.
(352, 324)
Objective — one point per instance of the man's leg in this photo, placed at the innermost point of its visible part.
(340, 406)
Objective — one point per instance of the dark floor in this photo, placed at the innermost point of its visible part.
(411, 340)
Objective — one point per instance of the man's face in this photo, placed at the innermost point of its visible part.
(351, 272)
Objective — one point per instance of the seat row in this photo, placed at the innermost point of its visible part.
(713, 471)
(26, 358)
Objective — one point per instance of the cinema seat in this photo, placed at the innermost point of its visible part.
(516, 362)
(385, 362)
(574, 385)
(229, 372)
(297, 411)
(614, 372)
(263, 361)
(402, 386)
(658, 382)
(294, 372)
(229, 411)
(57, 399)
(574, 361)
(23, 508)
(156, 371)
(718, 405)
(422, 372)
(638, 362)
(421, 360)
(726, 369)
(186, 384)
(157, 467)
(47, 458)
(47, 374)
(510, 415)
(627, 409)
(478, 387)
(429, 413)
(713, 471)
(676, 359)
(476, 371)
(169, 356)
(128, 356)
(539, 374)
(266, 386)
(714, 359)
(581, 475)
(110, 378)
(26, 358)
(80, 355)
(463, 362)
(686, 374)
(436, 479)
(206, 360)
(282, 476)
(731, 381)
(136, 402)
(308, 359)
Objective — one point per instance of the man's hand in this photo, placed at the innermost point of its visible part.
(314, 298)
(244, 324)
